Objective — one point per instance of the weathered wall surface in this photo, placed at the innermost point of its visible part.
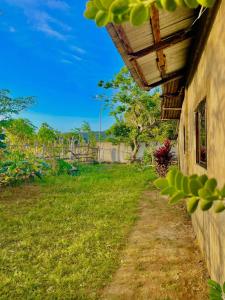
(209, 82)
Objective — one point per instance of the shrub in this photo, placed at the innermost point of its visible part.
(63, 167)
(17, 167)
(163, 158)
(17, 171)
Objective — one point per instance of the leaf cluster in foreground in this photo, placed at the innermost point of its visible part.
(199, 191)
(136, 12)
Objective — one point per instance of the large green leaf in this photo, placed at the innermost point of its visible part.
(178, 181)
(219, 207)
(205, 204)
(195, 185)
(178, 196)
(102, 18)
(119, 7)
(203, 179)
(171, 177)
(215, 285)
(139, 14)
(185, 185)
(222, 192)
(169, 5)
(161, 183)
(204, 193)
(211, 184)
(169, 191)
(192, 204)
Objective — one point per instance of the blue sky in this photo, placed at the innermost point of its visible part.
(50, 51)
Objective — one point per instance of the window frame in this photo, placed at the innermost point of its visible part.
(198, 134)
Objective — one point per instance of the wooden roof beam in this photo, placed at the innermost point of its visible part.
(155, 26)
(168, 78)
(168, 119)
(163, 44)
(172, 108)
(172, 95)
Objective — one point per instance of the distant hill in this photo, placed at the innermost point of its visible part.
(103, 135)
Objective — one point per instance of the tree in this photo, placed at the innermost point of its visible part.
(136, 112)
(20, 131)
(77, 135)
(89, 134)
(46, 134)
(73, 135)
(10, 106)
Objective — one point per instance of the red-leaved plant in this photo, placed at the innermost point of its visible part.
(163, 158)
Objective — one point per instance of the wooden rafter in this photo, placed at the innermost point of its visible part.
(168, 78)
(172, 95)
(163, 44)
(172, 108)
(155, 25)
(168, 119)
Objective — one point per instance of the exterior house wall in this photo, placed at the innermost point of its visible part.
(209, 82)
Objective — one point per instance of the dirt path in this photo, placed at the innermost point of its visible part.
(162, 260)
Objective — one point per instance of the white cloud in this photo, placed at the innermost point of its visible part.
(66, 61)
(69, 57)
(57, 4)
(42, 21)
(53, 4)
(76, 57)
(78, 49)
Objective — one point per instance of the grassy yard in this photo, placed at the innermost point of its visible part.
(61, 239)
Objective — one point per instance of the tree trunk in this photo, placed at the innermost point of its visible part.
(135, 150)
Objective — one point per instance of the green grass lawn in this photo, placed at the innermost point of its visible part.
(62, 239)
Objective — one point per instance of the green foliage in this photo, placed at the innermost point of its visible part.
(197, 190)
(20, 131)
(216, 291)
(63, 238)
(136, 112)
(148, 156)
(91, 137)
(136, 12)
(119, 132)
(10, 106)
(46, 134)
(63, 167)
(18, 168)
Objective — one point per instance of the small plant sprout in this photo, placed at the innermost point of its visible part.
(199, 191)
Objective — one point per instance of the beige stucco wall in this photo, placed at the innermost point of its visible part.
(120, 153)
(209, 82)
